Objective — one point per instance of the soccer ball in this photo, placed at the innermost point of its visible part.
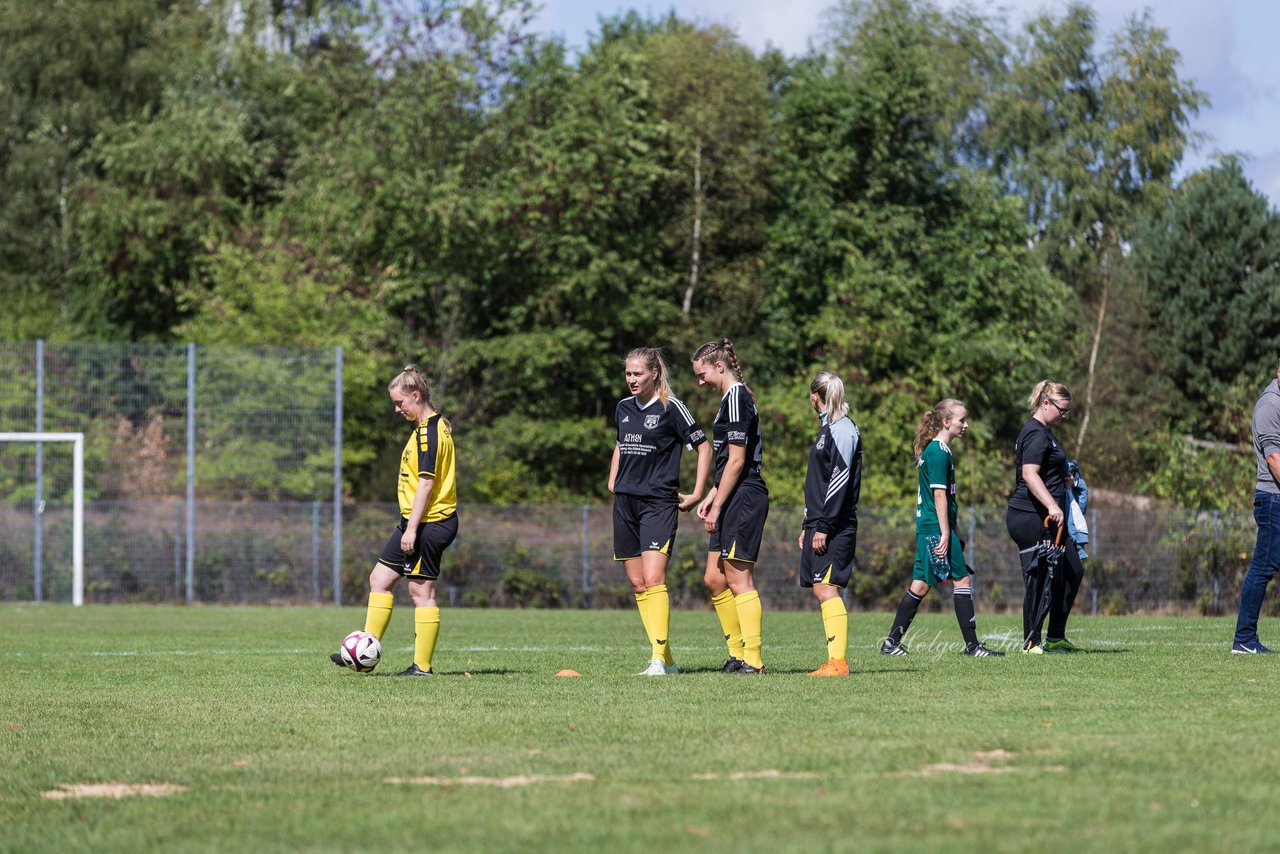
(360, 651)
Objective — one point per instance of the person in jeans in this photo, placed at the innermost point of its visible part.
(1266, 511)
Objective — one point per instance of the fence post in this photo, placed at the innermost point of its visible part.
(586, 555)
(337, 477)
(38, 504)
(1213, 561)
(191, 473)
(315, 551)
(1093, 544)
(177, 549)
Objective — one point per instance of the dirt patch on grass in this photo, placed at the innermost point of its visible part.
(500, 782)
(984, 762)
(67, 791)
(767, 774)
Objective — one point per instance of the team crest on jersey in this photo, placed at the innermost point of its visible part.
(650, 421)
(822, 441)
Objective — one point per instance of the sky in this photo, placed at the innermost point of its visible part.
(1227, 46)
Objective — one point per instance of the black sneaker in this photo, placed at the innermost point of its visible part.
(1254, 648)
(891, 648)
(747, 668)
(980, 651)
(733, 665)
(414, 670)
(336, 658)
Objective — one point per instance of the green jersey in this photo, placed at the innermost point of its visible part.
(935, 470)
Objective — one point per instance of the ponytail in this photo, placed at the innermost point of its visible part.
(830, 388)
(931, 424)
(412, 379)
(651, 358)
(1048, 390)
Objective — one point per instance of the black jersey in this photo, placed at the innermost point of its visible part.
(1037, 445)
(738, 423)
(833, 480)
(649, 442)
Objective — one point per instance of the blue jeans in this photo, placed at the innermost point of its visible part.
(1266, 560)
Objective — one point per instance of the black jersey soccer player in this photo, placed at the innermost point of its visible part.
(735, 509)
(1036, 506)
(939, 550)
(428, 521)
(829, 535)
(653, 428)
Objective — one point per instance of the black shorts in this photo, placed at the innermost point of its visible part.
(424, 563)
(835, 565)
(1026, 529)
(643, 525)
(742, 523)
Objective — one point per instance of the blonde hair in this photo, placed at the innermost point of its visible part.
(830, 388)
(932, 422)
(1048, 390)
(651, 358)
(411, 379)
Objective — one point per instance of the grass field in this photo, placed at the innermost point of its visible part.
(1155, 739)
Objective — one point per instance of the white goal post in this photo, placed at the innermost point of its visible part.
(77, 508)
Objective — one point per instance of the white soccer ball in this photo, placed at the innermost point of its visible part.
(360, 651)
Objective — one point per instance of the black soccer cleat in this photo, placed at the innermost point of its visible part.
(891, 648)
(977, 650)
(336, 658)
(748, 669)
(414, 670)
(733, 665)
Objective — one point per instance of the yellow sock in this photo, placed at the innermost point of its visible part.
(659, 606)
(728, 614)
(642, 605)
(426, 624)
(378, 614)
(835, 619)
(750, 617)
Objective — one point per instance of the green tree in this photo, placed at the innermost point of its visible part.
(1091, 143)
(713, 95)
(894, 264)
(1209, 262)
(67, 70)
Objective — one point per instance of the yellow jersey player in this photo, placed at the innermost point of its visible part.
(428, 521)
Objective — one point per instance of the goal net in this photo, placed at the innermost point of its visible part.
(77, 507)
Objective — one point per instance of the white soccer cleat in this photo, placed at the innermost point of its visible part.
(671, 669)
(657, 668)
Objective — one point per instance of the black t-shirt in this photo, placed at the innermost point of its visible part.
(738, 423)
(650, 438)
(1037, 445)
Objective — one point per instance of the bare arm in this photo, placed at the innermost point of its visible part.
(944, 522)
(613, 468)
(1273, 463)
(1031, 474)
(728, 480)
(687, 502)
(425, 483)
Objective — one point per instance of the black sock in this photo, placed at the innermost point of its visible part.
(962, 598)
(906, 613)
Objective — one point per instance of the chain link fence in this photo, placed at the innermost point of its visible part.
(211, 477)
(197, 459)
(559, 556)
